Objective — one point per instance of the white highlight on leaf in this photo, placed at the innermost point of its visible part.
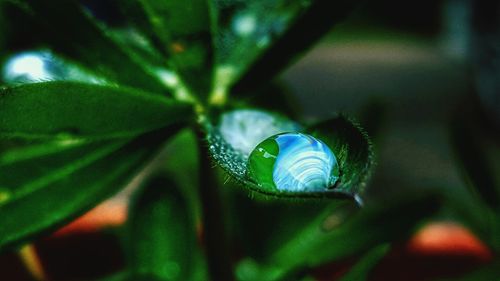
(245, 129)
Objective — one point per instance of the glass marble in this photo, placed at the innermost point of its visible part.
(293, 162)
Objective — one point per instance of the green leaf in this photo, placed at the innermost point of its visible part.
(23, 173)
(261, 234)
(258, 38)
(138, 35)
(52, 109)
(323, 242)
(265, 234)
(237, 133)
(72, 33)
(138, 20)
(361, 270)
(185, 31)
(161, 233)
(45, 188)
(353, 149)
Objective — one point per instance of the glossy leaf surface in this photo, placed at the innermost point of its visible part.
(53, 109)
(49, 185)
(69, 31)
(185, 31)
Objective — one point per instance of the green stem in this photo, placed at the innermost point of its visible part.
(215, 236)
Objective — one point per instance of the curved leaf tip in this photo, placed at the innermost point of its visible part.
(273, 155)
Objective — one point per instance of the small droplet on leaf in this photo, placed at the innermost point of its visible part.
(293, 162)
(245, 24)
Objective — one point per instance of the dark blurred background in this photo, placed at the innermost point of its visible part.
(404, 68)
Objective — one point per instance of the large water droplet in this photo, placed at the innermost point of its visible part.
(293, 162)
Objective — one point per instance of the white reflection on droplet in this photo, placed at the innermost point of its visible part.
(38, 66)
(245, 129)
(303, 163)
(25, 67)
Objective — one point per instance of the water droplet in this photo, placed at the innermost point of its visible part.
(245, 24)
(36, 66)
(29, 66)
(293, 162)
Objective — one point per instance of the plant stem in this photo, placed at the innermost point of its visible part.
(215, 236)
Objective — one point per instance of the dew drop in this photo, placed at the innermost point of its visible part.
(245, 25)
(29, 66)
(40, 65)
(293, 162)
